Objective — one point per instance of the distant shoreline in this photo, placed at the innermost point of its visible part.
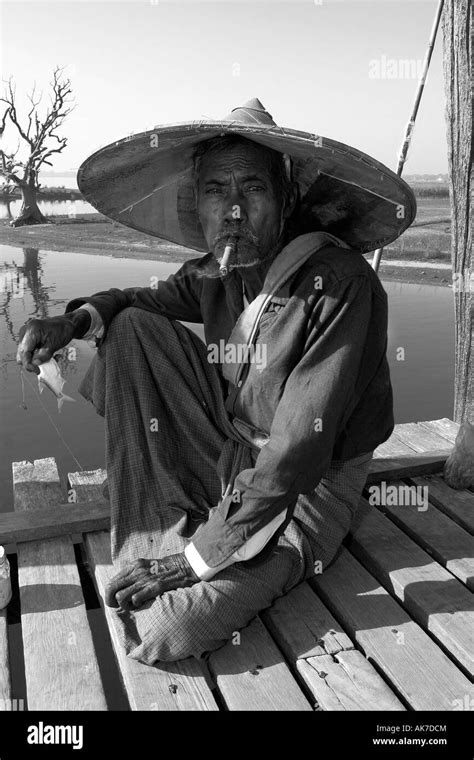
(46, 194)
(96, 235)
(421, 188)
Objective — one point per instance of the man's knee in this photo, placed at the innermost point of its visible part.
(131, 316)
(131, 325)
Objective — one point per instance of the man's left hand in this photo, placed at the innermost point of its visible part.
(145, 579)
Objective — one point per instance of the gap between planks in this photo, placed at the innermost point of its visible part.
(413, 664)
(435, 598)
(337, 674)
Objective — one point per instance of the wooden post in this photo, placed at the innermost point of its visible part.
(457, 61)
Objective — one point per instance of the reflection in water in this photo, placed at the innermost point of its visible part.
(33, 272)
(10, 209)
(7, 203)
(18, 280)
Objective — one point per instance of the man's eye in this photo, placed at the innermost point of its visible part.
(213, 190)
(257, 188)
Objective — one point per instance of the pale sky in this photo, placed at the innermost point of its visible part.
(326, 68)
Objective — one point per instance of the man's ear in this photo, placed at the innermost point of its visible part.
(290, 201)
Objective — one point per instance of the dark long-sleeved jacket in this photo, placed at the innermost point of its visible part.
(324, 393)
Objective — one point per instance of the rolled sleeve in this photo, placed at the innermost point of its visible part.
(96, 327)
(248, 550)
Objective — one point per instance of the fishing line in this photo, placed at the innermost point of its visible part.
(23, 403)
(23, 376)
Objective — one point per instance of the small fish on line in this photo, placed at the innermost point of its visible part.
(50, 377)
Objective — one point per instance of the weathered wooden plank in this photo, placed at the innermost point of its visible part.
(422, 443)
(91, 484)
(252, 675)
(407, 437)
(393, 447)
(442, 538)
(5, 682)
(444, 427)
(412, 662)
(62, 520)
(169, 686)
(458, 505)
(36, 486)
(95, 476)
(420, 438)
(303, 625)
(435, 599)
(406, 465)
(315, 643)
(347, 682)
(60, 663)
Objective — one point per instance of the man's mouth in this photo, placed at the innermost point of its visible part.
(238, 233)
(236, 247)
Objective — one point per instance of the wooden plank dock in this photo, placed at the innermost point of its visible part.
(388, 626)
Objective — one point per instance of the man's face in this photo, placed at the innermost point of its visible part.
(237, 195)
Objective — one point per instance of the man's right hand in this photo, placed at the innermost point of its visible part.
(41, 338)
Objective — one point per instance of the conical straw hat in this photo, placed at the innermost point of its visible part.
(146, 181)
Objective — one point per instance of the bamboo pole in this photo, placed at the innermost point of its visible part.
(411, 124)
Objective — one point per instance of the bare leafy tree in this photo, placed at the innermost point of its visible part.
(38, 136)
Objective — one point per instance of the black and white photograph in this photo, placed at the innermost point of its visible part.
(236, 375)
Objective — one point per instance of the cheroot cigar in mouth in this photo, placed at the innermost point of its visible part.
(228, 250)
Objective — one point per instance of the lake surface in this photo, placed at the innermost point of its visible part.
(50, 208)
(40, 283)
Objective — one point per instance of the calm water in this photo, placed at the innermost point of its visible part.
(51, 208)
(40, 284)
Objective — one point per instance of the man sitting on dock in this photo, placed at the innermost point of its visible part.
(234, 467)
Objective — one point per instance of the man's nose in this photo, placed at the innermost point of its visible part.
(235, 206)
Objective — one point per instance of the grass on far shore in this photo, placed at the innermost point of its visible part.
(95, 233)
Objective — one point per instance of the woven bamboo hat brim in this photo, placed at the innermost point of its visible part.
(146, 181)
